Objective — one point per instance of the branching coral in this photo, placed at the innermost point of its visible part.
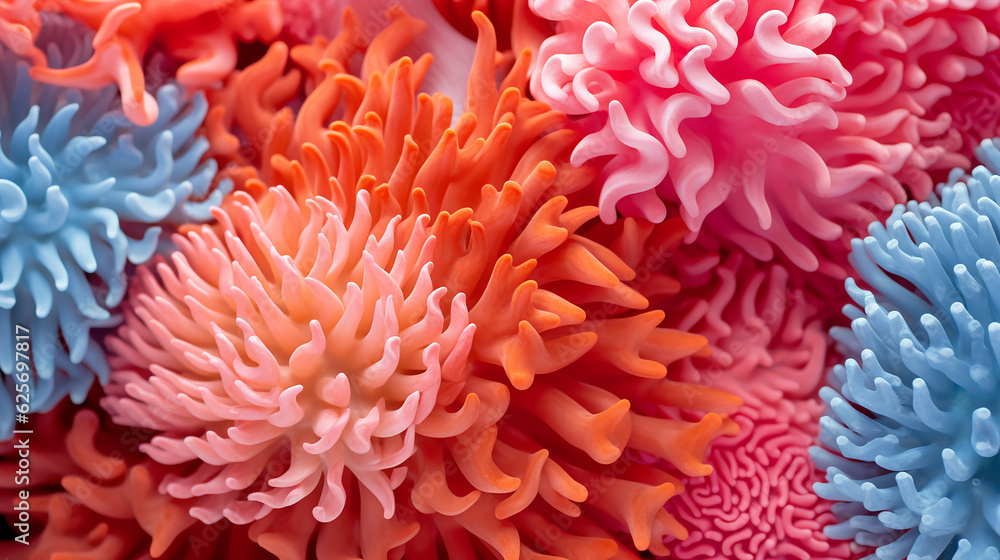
(913, 423)
(80, 188)
(923, 75)
(725, 107)
(412, 345)
(202, 35)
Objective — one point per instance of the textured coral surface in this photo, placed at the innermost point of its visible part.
(911, 424)
(83, 192)
(412, 343)
(726, 108)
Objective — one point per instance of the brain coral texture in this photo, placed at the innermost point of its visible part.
(411, 345)
(766, 326)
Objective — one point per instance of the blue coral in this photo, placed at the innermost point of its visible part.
(915, 425)
(83, 193)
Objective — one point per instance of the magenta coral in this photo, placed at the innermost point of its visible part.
(923, 74)
(725, 107)
(766, 326)
(759, 503)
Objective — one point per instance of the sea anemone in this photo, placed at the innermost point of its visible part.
(81, 188)
(202, 35)
(412, 346)
(726, 108)
(923, 74)
(911, 427)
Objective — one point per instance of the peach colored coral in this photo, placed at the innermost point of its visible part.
(412, 343)
(92, 496)
(452, 52)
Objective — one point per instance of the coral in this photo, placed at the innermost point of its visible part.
(973, 109)
(766, 326)
(414, 345)
(726, 108)
(518, 28)
(308, 19)
(203, 35)
(758, 504)
(765, 323)
(92, 496)
(922, 75)
(80, 189)
(910, 428)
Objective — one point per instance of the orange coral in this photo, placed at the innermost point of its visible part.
(413, 344)
(92, 496)
(201, 34)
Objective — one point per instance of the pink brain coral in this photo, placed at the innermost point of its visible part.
(767, 327)
(758, 504)
(415, 344)
(726, 107)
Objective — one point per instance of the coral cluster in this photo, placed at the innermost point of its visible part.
(83, 193)
(392, 334)
(499, 279)
(912, 422)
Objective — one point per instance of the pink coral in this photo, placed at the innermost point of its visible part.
(974, 111)
(415, 344)
(758, 504)
(767, 327)
(922, 74)
(766, 324)
(725, 107)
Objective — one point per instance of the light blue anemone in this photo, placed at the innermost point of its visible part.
(83, 193)
(914, 425)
